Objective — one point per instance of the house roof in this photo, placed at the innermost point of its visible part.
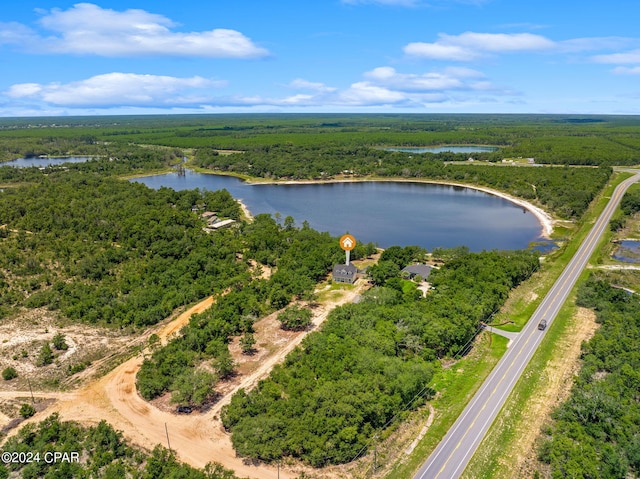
(421, 269)
(344, 270)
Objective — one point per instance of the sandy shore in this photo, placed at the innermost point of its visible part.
(245, 210)
(545, 219)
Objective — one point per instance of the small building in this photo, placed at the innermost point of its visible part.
(207, 214)
(414, 270)
(345, 273)
(221, 224)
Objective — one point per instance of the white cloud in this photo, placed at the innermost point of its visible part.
(445, 80)
(471, 45)
(625, 58)
(364, 93)
(88, 29)
(117, 89)
(302, 84)
(626, 71)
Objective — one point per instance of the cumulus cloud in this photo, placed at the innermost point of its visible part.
(619, 58)
(445, 80)
(386, 87)
(302, 84)
(471, 45)
(88, 29)
(117, 89)
(626, 71)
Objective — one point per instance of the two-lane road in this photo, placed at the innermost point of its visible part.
(450, 458)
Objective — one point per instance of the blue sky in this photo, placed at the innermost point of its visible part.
(227, 56)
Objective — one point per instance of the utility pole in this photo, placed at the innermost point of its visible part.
(167, 431)
(33, 400)
(375, 453)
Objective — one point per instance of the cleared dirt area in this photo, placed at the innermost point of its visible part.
(22, 338)
(197, 438)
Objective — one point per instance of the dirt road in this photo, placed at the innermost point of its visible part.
(197, 438)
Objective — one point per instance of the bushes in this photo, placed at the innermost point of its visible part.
(27, 410)
(295, 318)
(9, 373)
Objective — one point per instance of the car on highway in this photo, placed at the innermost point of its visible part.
(542, 325)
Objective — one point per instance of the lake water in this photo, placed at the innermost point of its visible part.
(387, 213)
(442, 149)
(41, 162)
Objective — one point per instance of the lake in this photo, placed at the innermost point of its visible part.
(387, 213)
(449, 148)
(42, 162)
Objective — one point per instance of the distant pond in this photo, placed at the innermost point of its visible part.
(442, 149)
(42, 162)
(387, 213)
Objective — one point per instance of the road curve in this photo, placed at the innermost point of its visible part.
(452, 455)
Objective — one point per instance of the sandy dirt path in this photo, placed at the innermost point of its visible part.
(197, 439)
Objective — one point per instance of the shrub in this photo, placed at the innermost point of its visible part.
(59, 342)
(9, 373)
(46, 355)
(27, 410)
(295, 318)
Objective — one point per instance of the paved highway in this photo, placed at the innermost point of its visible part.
(452, 455)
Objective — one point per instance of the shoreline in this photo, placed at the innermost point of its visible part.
(545, 219)
(245, 209)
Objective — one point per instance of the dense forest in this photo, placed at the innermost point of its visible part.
(596, 432)
(370, 361)
(557, 139)
(103, 454)
(109, 251)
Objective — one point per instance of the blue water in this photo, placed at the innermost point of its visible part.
(41, 162)
(628, 251)
(387, 213)
(442, 149)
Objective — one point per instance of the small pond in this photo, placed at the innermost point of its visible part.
(628, 251)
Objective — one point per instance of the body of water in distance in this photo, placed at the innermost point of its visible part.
(43, 162)
(448, 148)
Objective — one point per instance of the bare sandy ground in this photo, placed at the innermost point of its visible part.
(197, 439)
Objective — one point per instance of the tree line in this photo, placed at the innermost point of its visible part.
(107, 251)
